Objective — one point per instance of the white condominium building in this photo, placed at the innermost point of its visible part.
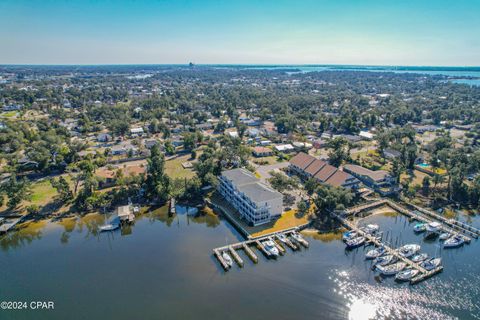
(256, 202)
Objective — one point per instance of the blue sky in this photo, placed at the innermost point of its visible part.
(381, 32)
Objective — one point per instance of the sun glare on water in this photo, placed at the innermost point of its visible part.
(362, 310)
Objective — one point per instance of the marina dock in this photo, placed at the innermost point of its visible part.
(424, 274)
(451, 226)
(247, 245)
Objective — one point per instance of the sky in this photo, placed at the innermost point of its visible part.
(371, 32)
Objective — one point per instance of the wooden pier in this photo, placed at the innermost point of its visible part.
(235, 256)
(250, 252)
(257, 242)
(451, 226)
(424, 274)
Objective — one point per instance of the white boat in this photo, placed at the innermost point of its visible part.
(384, 260)
(355, 242)
(297, 237)
(228, 260)
(271, 248)
(409, 250)
(419, 227)
(392, 269)
(283, 238)
(406, 275)
(444, 236)
(454, 242)
(419, 257)
(371, 228)
(375, 253)
(433, 226)
(109, 227)
(431, 263)
(349, 235)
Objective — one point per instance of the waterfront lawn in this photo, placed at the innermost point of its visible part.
(174, 168)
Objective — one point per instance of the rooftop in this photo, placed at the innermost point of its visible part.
(239, 176)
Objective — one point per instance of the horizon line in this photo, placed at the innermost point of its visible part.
(239, 64)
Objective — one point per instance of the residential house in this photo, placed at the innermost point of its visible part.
(391, 154)
(104, 137)
(285, 148)
(262, 152)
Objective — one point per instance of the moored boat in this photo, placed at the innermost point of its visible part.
(419, 227)
(454, 242)
(371, 228)
(392, 269)
(384, 260)
(419, 257)
(349, 235)
(109, 227)
(431, 264)
(433, 226)
(271, 248)
(444, 236)
(374, 253)
(228, 260)
(409, 250)
(406, 275)
(355, 242)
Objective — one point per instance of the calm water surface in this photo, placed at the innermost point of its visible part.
(162, 268)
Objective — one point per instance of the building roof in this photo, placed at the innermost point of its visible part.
(338, 178)
(326, 172)
(302, 160)
(315, 167)
(261, 150)
(239, 176)
(126, 171)
(258, 192)
(123, 211)
(378, 175)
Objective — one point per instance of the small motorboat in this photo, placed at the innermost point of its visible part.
(409, 250)
(109, 227)
(375, 253)
(355, 242)
(391, 269)
(349, 235)
(282, 237)
(444, 236)
(406, 275)
(384, 260)
(371, 228)
(271, 248)
(454, 242)
(431, 264)
(419, 227)
(433, 226)
(419, 257)
(228, 260)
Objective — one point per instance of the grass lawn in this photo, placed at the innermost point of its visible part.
(174, 168)
(286, 221)
(265, 160)
(8, 114)
(42, 194)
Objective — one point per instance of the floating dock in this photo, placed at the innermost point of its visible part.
(424, 274)
(257, 242)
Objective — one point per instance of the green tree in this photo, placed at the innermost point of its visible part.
(16, 191)
(157, 182)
